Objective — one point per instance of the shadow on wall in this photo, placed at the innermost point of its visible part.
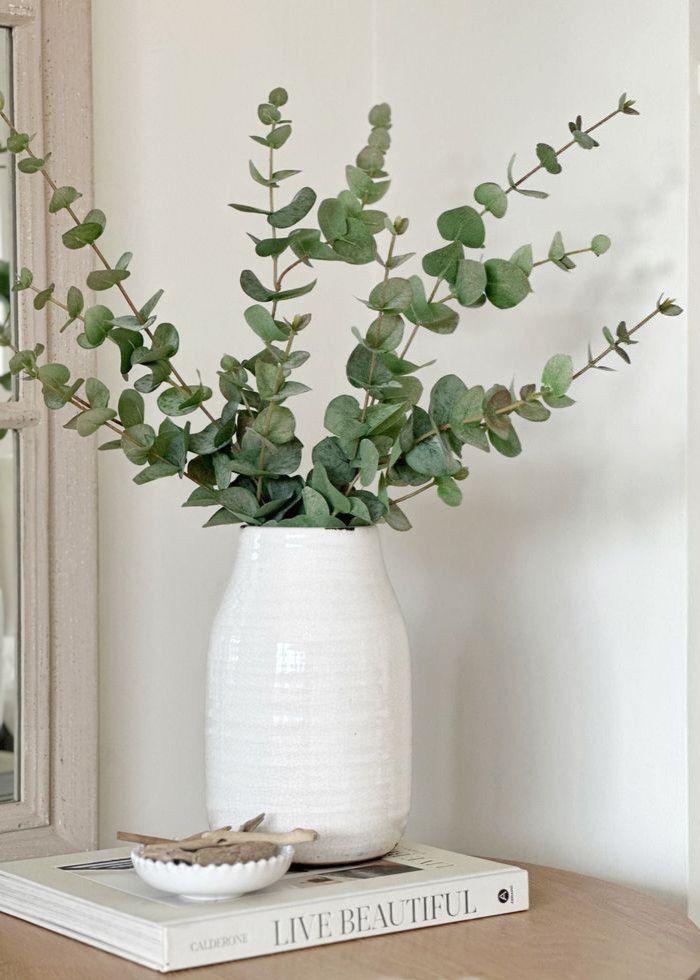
(510, 710)
(537, 699)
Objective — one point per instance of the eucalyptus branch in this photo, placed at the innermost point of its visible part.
(558, 375)
(413, 493)
(245, 463)
(593, 362)
(61, 306)
(549, 157)
(574, 251)
(39, 164)
(279, 378)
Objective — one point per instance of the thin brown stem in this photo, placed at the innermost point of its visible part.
(58, 303)
(368, 402)
(414, 332)
(410, 340)
(575, 251)
(293, 265)
(514, 405)
(271, 199)
(434, 290)
(414, 493)
(561, 150)
(604, 353)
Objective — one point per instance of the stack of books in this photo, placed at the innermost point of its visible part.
(413, 887)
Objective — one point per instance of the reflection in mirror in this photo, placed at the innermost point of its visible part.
(9, 446)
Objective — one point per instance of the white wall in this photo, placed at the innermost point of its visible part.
(694, 479)
(547, 615)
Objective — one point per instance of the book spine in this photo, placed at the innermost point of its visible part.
(337, 920)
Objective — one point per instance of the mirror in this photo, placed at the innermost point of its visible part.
(9, 448)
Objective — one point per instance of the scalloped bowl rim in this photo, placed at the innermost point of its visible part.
(240, 877)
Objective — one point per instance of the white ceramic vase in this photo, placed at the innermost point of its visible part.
(308, 693)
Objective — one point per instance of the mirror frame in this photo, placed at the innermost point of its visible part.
(57, 806)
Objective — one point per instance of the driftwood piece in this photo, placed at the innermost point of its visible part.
(251, 824)
(126, 835)
(225, 854)
(216, 837)
(220, 846)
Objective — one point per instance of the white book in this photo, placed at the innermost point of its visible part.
(412, 887)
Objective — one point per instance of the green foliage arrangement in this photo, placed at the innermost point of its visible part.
(243, 456)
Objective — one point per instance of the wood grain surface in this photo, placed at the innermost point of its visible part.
(578, 928)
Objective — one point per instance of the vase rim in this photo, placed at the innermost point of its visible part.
(306, 530)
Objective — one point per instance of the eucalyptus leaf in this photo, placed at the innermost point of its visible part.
(396, 519)
(131, 408)
(90, 421)
(547, 156)
(470, 282)
(62, 198)
(464, 225)
(443, 263)
(493, 198)
(369, 462)
(292, 213)
(391, 296)
(522, 257)
(448, 491)
(507, 285)
(261, 322)
(106, 278)
(527, 192)
(557, 374)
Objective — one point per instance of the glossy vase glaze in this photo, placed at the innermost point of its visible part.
(308, 693)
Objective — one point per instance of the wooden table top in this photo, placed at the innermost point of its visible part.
(578, 928)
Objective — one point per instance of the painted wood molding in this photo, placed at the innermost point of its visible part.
(57, 808)
(17, 415)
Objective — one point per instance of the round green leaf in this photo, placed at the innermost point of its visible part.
(600, 244)
(63, 197)
(332, 219)
(261, 322)
(179, 401)
(522, 257)
(268, 113)
(89, 422)
(131, 408)
(97, 326)
(298, 208)
(137, 440)
(443, 262)
(385, 333)
(276, 423)
(342, 417)
(470, 282)
(547, 156)
(278, 96)
(380, 115)
(506, 285)
(558, 374)
(448, 491)
(97, 393)
(493, 198)
(463, 225)
(394, 295)
(369, 462)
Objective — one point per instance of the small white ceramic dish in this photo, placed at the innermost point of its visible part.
(211, 882)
